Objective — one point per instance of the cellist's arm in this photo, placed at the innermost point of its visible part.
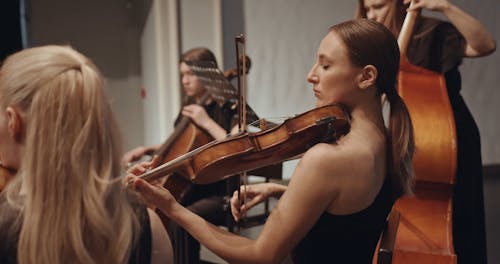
(200, 117)
(479, 40)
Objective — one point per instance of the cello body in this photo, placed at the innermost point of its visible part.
(191, 138)
(425, 229)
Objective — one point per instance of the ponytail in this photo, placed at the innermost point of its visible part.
(402, 146)
(355, 34)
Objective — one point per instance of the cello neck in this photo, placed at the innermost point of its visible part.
(407, 31)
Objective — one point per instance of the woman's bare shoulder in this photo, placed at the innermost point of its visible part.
(327, 158)
(342, 160)
(333, 153)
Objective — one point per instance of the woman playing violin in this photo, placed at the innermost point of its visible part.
(66, 203)
(206, 201)
(340, 194)
(440, 46)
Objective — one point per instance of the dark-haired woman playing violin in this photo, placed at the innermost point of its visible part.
(340, 194)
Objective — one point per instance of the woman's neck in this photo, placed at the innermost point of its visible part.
(369, 113)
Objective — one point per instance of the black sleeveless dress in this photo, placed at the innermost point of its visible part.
(346, 238)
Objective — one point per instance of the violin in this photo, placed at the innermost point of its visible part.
(251, 150)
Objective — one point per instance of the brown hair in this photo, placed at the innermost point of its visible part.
(383, 53)
(198, 54)
(394, 19)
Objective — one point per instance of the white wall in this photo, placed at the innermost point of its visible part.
(160, 78)
(201, 25)
(106, 32)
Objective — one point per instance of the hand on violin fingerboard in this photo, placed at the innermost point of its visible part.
(155, 196)
(251, 195)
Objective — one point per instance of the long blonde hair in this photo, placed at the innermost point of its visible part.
(73, 207)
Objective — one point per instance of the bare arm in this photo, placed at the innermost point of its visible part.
(200, 117)
(161, 249)
(479, 40)
(308, 195)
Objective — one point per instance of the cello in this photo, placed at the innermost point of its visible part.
(425, 229)
(188, 136)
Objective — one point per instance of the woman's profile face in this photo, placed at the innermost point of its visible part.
(190, 83)
(333, 76)
(377, 10)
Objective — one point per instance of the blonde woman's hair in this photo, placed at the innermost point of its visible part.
(73, 207)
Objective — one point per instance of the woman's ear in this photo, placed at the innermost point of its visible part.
(14, 124)
(368, 76)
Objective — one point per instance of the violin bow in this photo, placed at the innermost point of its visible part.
(242, 128)
(241, 83)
